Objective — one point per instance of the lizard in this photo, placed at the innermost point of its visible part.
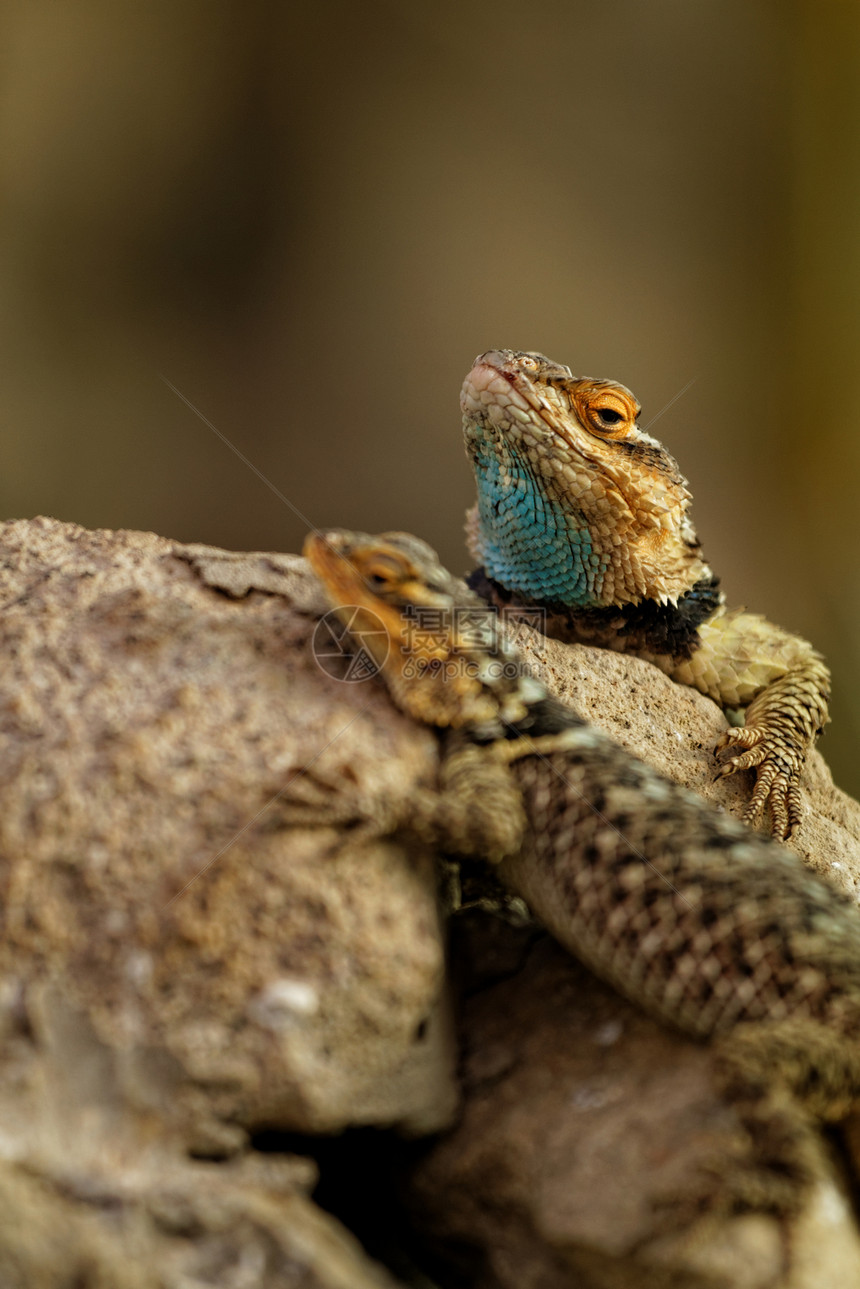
(713, 929)
(582, 512)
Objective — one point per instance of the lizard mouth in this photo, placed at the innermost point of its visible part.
(499, 392)
(495, 378)
(528, 403)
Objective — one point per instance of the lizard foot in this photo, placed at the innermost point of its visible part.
(778, 768)
(782, 1078)
(769, 1165)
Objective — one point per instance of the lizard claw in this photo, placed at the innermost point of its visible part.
(745, 735)
(777, 786)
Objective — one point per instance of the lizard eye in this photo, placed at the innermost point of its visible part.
(383, 572)
(531, 364)
(604, 408)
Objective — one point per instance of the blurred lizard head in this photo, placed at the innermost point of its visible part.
(436, 644)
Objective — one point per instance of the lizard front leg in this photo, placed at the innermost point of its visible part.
(745, 661)
(478, 809)
(475, 810)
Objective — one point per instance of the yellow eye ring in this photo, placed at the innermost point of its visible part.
(609, 412)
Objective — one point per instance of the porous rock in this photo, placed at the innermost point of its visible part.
(191, 948)
(142, 1219)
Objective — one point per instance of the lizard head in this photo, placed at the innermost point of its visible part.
(437, 645)
(576, 504)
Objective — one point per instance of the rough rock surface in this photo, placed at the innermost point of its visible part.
(158, 739)
(138, 1218)
(179, 964)
(211, 925)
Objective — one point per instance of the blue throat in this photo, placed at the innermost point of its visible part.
(529, 544)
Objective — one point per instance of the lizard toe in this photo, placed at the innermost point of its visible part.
(739, 736)
(745, 760)
(784, 805)
(777, 804)
(762, 791)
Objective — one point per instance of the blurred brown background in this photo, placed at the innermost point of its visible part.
(309, 217)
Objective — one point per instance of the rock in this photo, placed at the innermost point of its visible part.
(168, 934)
(146, 1221)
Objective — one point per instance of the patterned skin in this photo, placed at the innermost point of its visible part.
(716, 931)
(582, 512)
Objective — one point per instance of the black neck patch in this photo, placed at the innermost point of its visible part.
(644, 627)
